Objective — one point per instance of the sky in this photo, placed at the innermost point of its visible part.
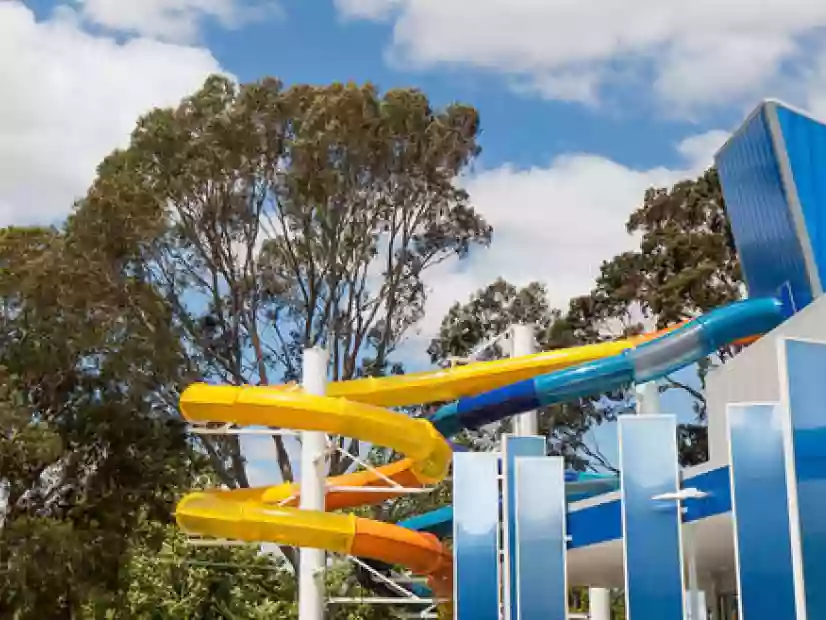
(584, 103)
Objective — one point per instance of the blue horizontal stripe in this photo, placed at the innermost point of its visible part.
(596, 524)
(603, 522)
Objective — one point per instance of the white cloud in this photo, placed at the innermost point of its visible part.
(171, 20)
(699, 150)
(70, 98)
(815, 96)
(555, 224)
(367, 9)
(721, 68)
(687, 53)
(578, 86)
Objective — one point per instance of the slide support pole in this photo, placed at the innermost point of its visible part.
(648, 398)
(599, 602)
(522, 343)
(313, 449)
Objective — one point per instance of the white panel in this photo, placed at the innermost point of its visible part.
(752, 375)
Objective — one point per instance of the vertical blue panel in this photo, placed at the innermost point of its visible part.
(805, 383)
(653, 563)
(764, 232)
(475, 532)
(513, 447)
(760, 512)
(541, 583)
(805, 141)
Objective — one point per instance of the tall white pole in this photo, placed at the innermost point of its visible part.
(522, 343)
(599, 602)
(313, 448)
(694, 606)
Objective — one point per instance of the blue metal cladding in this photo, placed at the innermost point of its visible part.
(541, 581)
(475, 533)
(805, 141)
(761, 517)
(653, 561)
(805, 392)
(770, 252)
(512, 448)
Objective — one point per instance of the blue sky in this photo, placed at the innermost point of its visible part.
(584, 103)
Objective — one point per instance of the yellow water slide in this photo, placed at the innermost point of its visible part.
(352, 409)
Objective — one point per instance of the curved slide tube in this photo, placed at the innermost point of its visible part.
(255, 514)
(247, 515)
(432, 386)
(650, 360)
(415, 388)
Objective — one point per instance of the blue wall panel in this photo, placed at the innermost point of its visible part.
(513, 447)
(805, 382)
(764, 231)
(805, 141)
(539, 494)
(595, 524)
(475, 533)
(653, 561)
(761, 517)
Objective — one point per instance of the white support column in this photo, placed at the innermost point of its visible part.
(313, 449)
(648, 397)
(522, 343)
(714, 596)
(599, 603)
(694, 610)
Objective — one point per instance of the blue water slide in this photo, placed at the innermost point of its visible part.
(648, 361)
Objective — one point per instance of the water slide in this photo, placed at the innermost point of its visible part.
(352, 409)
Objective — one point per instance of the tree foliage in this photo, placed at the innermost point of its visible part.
(687, 262)
(83, 451)
(90, 463)
(235, 229)
(270, 219)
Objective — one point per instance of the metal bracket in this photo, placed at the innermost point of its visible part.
(682, 495)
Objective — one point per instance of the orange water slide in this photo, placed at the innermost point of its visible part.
(227, 515)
